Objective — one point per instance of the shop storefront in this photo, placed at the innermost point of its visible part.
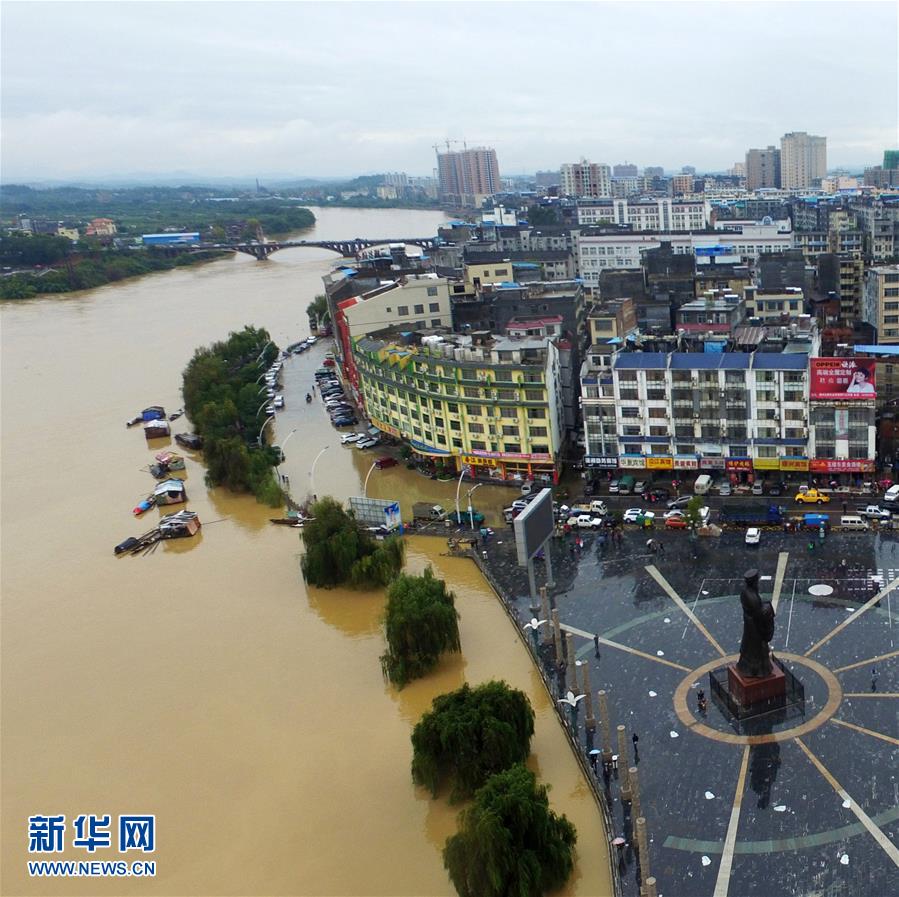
(840, 465)
(510, 467)
(794, 465)
(739, 470)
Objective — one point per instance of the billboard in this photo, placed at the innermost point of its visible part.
(533, 526)
(842, 379)
(376, 512)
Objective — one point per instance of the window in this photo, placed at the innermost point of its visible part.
(455, 425)
(508, 412)
(510, 431)
(435, 322)
(501, 272)
(457, 443)
(477, 444)
(433, 306)
(419, 309)
(432, 291)
(513, 447)
(402, 310)
(537, 431)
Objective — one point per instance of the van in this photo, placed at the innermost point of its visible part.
(702, 485)
(598, 507)
(852, 522)
(892, 494)
(626, 484)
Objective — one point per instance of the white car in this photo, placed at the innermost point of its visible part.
(269, 410)
(585, 521)
(675, 513)
(366, 442)
(279, 402)
(636, 515)
(753, 535)
(350, 437)
(311, 340)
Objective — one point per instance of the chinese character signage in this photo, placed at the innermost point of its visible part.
(632, 462)
(46, 834)
(841, 465)
(686, 462)
(842, 379)
(659, 462)
(794, 464)
(766, 463)
(738, 463)
(607, 462)
(711, 464)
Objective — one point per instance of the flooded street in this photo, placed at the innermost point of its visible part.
(203, 683)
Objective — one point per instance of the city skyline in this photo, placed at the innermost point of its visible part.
(215, 98)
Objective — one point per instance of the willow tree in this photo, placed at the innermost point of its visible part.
(420, 623)
(470, 734)
(509, 843)
(339, 550)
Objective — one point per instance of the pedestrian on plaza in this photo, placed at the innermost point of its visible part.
(873, 679)
(635, 738)
(592, 761)
(606, 775)
(596, 644)
(661, 547)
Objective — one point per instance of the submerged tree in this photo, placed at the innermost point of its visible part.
(339, 550)
(470, 734)
(318, 311)
(420, 624)
(509, 843)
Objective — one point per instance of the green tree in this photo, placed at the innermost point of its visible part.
(470, 734)
(509, 843)
(540, 215)
(339, 550)
(318, 311)
(692, 512)
(420, 623)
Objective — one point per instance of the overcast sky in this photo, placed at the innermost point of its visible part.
(313, 89)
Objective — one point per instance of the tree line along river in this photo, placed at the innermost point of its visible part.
(205, 683)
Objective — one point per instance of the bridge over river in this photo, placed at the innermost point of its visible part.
(262, 249)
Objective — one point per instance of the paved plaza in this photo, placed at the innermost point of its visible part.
(804, 802)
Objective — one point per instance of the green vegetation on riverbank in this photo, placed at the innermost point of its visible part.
(95, 269)
(470, 734)
(216, 214)
(339, 550)
(225, 402)
(420, 623)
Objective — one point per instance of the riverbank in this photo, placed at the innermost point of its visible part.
(98, 270)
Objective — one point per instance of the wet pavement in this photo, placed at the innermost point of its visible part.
(806, 804)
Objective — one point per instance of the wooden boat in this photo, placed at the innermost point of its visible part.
(189, 440)
(157, 429)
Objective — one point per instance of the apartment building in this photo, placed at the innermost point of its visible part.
(736, 412)
(881, 302)
(656, 215)
(586, 179)
(682, 184)
(492, 406)
(773, 305)
(468, 177)
(415, 302)
(622, 250)
(762, 168)
(803, 160)
(841, 275)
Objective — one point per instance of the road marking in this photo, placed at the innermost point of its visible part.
(727, 855)
(871, 732)
(693, 608)
(854, 616)
(888, 847)
(790, 617)
(871, 694)
(654, 573)
(871, 660)
(779, 578)
(610, 644)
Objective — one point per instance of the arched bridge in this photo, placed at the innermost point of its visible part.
(262, 249)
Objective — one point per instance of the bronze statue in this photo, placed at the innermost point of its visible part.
(758, 630)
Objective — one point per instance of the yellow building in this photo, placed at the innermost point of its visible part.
(70, 233)
(493, 406)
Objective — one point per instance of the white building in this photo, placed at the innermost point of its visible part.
(624, 250)
(659, 215)
(803, 160)
(586, 179)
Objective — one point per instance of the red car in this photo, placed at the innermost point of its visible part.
(386, 461)
(676, 523)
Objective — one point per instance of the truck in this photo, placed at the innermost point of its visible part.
(874, 512)
(752, 514)
(702, 485)
(422, 510)
(464, 518)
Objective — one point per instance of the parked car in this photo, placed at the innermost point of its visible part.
(613, 487)
(585, 521)
(598, 507)
(638, 515)
(639, 487)
(758, 489)
(350, 437)
(753, 535)
(386, 461)
(724, 489)
(681, 502)
(345, 422)
(279, 402)
(812, 497)
(670, 515)
(777, 489)
(676, 523)
(875, 512)
(366, 442)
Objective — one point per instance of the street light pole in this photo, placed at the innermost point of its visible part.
(458, 488)
(365, 484)
(261, 407)
(259, 437)
(312, 472)
(280, 460)
(470, 509)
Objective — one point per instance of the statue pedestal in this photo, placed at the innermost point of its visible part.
(749, 690)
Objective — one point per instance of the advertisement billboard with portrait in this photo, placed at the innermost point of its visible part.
(842, 379)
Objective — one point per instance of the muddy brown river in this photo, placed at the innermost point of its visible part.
(204, 683)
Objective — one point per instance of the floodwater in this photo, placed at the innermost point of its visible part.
(204, 683)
